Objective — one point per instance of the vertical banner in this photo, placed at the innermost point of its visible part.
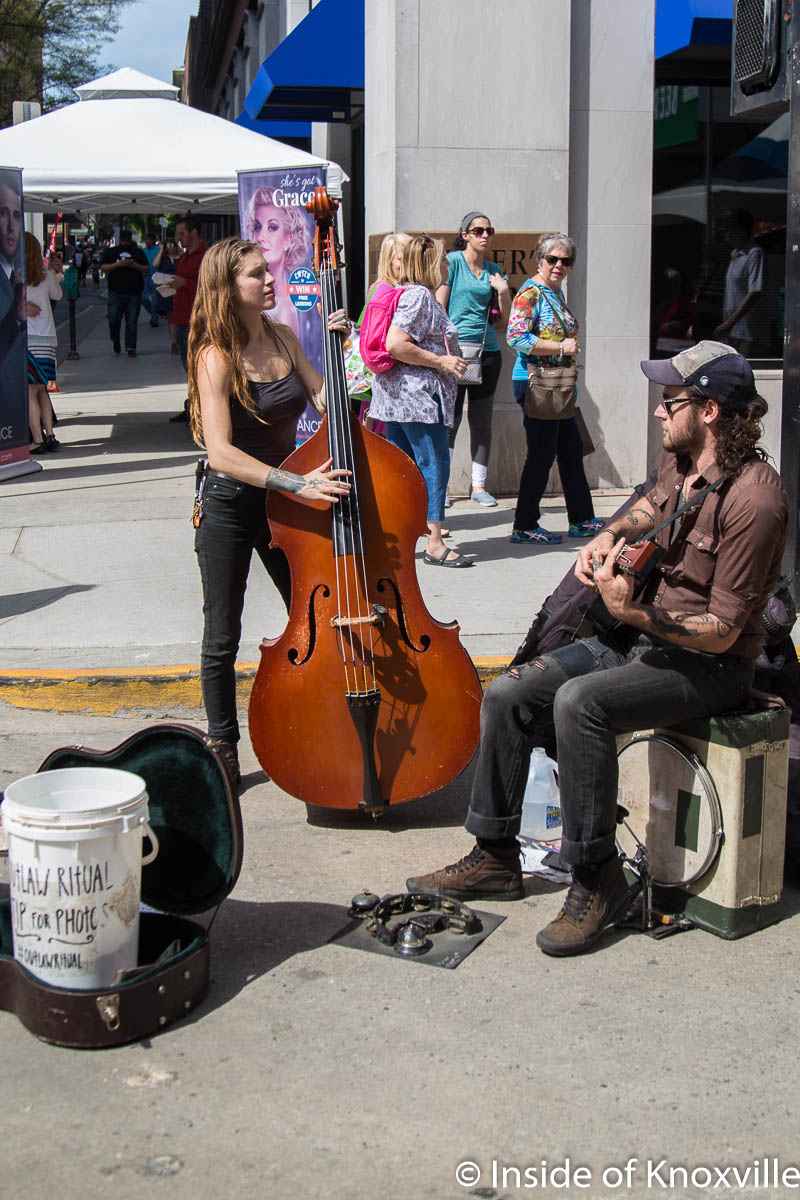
(272, 213)
(14, 433)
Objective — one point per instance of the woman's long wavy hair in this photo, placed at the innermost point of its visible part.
(34, 263)
(738, 433)
(216, 322)
(299, 253)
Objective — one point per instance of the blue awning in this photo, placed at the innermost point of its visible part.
(682, 23)
(312, 74)
(275, 129)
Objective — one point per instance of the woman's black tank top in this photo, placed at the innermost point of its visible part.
(281, 403)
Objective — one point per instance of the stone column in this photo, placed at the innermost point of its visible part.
(610, 196)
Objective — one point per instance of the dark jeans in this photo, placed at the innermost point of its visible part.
(480, 407)
(589, 691)
(182, 342)
(234, 524)
(548, 442)
(127, 305)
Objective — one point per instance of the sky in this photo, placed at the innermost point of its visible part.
(152, 37)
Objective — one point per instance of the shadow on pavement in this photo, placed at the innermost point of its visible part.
(25, 602)
(445, 808)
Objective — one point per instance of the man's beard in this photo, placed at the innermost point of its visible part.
(688, 440)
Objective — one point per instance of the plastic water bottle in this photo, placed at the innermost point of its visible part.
(541, 809)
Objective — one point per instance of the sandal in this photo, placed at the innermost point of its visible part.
(444, 561)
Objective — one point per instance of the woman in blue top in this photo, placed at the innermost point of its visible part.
(474, 285)
(542, 328)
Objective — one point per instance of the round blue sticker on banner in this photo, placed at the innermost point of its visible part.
(303, 289)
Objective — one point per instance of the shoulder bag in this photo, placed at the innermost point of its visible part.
(472, 353)
(551, 390)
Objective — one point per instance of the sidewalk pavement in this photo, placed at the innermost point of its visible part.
(312, 1069)
(100, 581)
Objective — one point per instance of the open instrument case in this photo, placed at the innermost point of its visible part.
(195, 814)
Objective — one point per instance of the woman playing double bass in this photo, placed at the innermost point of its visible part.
(249, 382)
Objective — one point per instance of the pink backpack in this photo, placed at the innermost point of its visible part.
(378, 313)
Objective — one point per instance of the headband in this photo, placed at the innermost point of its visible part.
(468, 219)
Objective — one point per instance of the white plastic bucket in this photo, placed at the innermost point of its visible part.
(75, 859)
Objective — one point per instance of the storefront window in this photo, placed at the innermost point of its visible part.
(719, 223)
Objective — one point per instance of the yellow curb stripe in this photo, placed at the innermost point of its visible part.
(110, 692)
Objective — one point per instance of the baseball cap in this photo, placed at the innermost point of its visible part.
(714, 367)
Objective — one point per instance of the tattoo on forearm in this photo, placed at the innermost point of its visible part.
(639, 518)
(686, 625)
(318, 401)
(284, 481)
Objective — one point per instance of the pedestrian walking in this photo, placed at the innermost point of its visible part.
(125, 267)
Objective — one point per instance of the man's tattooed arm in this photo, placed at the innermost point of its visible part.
(700, 631)
(633, 524)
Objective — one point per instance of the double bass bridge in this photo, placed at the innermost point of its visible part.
(376, 617)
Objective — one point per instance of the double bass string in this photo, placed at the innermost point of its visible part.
(345, 441)
(342, 451)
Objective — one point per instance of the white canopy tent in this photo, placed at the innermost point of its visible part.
(147, 154)
(127, 84)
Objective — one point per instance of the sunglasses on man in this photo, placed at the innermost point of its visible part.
(669, 404)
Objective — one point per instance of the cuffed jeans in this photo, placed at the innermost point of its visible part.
(549, 442)
(427, 446)
(234, 524)
(127, 305)
(589, 691)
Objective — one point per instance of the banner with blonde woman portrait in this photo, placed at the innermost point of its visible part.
(272, 213)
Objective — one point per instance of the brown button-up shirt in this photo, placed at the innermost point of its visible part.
(725, 556)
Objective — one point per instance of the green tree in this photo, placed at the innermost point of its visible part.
(48, 47)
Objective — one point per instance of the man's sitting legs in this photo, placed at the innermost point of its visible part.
(591, 690)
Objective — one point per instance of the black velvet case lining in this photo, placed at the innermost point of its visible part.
(194, 813)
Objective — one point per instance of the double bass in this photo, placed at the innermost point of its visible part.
(365, 700)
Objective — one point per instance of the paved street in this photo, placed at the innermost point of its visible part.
(315, 1070)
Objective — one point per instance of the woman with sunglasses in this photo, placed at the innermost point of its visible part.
(541, 328)
(474, 287)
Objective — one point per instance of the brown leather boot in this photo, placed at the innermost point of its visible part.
(597, 898)
(481, 875)
(230, 757)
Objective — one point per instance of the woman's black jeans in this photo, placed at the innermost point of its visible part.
(234, 524)
(548, 442)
